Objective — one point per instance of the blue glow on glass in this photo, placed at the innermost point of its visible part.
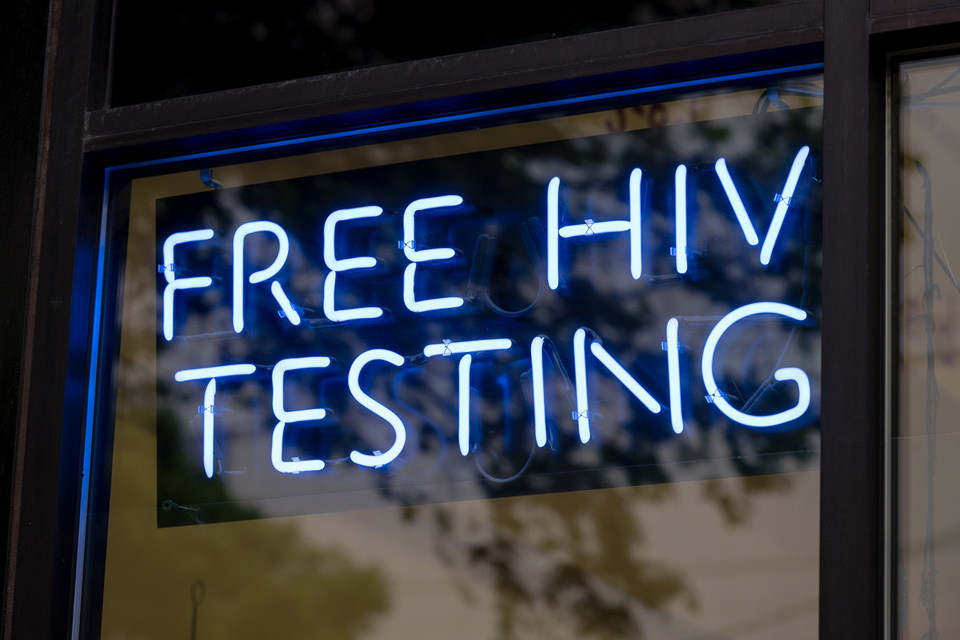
(624, 376)
(580, 371)
(673, 373)
(170, 274)
(539, 393)
(463, 432)
(790, 373)
(423, 255)
(467, 346)
(178, 285)
(733, 196)
(293, 364)
(338, 265)
(766, 251)
(680, 183)
(257, 276)
(353, 382)
(553, 233)
(636, 239)
(484, 113)
(209, 400)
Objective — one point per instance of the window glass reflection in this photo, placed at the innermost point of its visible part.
(609, 428)
(927, 439)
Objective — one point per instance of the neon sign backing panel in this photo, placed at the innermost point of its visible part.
(623, 297)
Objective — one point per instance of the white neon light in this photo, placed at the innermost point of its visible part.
(329, 230)
(169, 270)
(636, 239)
(347, 264)
(624, 376)
(409, 241)
(580, 368)
(673, 374)
(734, 197)
(353, 383)
(680, 184)
(281, 297)
(467, 346)
(257, 276)
(539, 393)
(175, 284)
(178, 285)
(289, 466)
(214, 372)
(553, 233)
(789, 373)
(293, 364)
(343, 315)
(464, 409)
(592, 228)
(423, 255)
(209, 409)
(766, 251)
(430, 304)
(209, 400)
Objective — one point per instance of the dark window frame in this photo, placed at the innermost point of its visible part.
(80, 136)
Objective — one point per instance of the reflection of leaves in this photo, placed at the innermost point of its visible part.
(262, 578)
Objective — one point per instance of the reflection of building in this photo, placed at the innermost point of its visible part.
(144, 94)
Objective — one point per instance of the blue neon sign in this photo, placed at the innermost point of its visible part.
(417, 324)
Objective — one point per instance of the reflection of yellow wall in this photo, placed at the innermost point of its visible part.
(285, 577)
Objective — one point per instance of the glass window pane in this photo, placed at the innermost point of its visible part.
(185, 47)
(927, 442)
(557, 376)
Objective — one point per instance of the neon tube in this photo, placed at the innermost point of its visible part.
(790, 373)
(766, 251)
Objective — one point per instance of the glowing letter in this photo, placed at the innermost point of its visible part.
(353, 382)
(734, 197)
(283, 416)
(348, 264)
(789, 373)
(782, 205)
(424, 255)
(580, 364)
(260, 276)
(680, 184)
(673, 373)
(449, 348)
(209, 395)
(592, 228)
(175, 284)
